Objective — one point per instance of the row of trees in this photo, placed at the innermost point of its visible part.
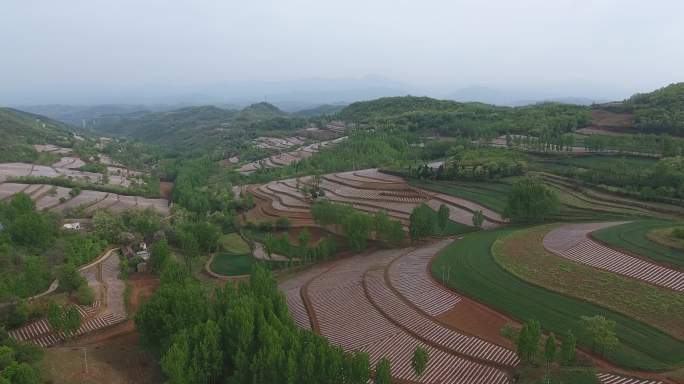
(242, 334)
(306, 253)
(358, 226)
(529, 200)
(597, 331)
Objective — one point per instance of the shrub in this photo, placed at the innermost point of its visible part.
(678, 233)
(85, 295)
(282, 223)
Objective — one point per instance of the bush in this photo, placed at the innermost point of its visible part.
(531, 201)
(282, 223)
(85, 295)
(678, 233)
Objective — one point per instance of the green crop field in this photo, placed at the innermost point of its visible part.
(591, 162)
(490, 195)
(633, 237)
(474, 272)
(235, 265)
(522, 253)
(233, 243)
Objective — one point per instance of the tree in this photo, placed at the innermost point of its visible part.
(32, 229)
(72, 321)
(388, 231)
(54, 317)
(6, 356)
(382, 372)
(85, 295)
(269, 244)
(421, 221)
(443, 217)
(357, 227)
(601, 332)
(419, 360)
(303, 241)
(21, 203)
(530, 200)
(478, 219)
(195, 356)
(568, 348)
(549, 353)
(21, 373)
(358, 368)
(528, 340)
(107, 225)
(160, 253)
(69, 278)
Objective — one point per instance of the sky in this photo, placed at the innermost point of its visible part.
(94, 51)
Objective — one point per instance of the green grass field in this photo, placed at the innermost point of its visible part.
(494, 196)
(474, 272)
(633, 237)
(234, 244)
(490, 195)
(560, 164)
(235, 265)
(522, 253)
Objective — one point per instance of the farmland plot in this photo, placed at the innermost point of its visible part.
(369, 191)
(353, 305)
(572, 242)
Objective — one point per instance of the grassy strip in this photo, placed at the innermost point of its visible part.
(522, 253)
(663, 236)
(235, 265)
(633, 237)
(70, 183)
(474, 272)
(234, 244)
(453, 228)
(493, 198)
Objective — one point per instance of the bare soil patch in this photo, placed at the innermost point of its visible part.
(165, 188)
(474, 318)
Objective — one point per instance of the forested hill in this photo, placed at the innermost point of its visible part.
(324, 109)
(20, 130)
(23, 127)
(394, 106)
(449, 118)
(660, 111)
(260, 111)
(198, 129)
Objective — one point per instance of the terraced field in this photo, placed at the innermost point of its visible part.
(634, 238)
(577, 204)
(287, 158)
(573, 243)
(58, 199)
(385, 303)
(475, 273)
(355, 303)
(107, 310)
(522, 253)
(67, 167)
(368, 190)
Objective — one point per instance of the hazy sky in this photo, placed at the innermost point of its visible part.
(94, 48)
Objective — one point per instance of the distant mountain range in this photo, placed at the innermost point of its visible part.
(291, 96)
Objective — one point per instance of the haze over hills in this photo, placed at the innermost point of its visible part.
(296, 95)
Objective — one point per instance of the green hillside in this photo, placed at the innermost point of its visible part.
(197, 129)
(660, 111)
(449, 118)
(20, 130)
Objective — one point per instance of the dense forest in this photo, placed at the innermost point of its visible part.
(194, 131)
(429, 116)
(660, 111)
